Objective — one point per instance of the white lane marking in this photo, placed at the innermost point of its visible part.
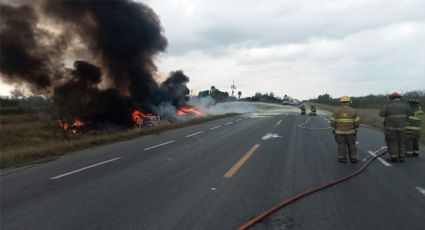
(193, 134)
(379, 158)
(278, 123)
(215, 127)
(156, 146)
(421, 190)
(84, 168)
(270, 136)
(238, 120)
(228, 123)
(213, 189)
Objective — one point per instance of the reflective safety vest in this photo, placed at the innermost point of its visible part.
(414, 121)
(345, 120)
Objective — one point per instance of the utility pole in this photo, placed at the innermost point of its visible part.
(233, 87)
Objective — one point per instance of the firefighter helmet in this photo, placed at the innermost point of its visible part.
(394, 95)
(345, 99)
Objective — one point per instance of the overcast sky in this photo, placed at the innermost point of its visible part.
(300, 48)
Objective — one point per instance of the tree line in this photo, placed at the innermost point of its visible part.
(370, 101)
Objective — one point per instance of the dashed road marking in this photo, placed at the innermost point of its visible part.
(421, 190)
(84, 168)
(229, 123)
(156, 146)
(215, 127)
(379, 158)
(278, 123)
(193, 134)
(242, 161)
(238, 120)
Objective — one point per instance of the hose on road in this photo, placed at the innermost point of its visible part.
(304, 125)
(299, 196)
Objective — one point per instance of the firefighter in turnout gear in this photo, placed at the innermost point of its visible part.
(303, 109)
(413, 128)
(344, 123)
(395, 114)
(313, 110)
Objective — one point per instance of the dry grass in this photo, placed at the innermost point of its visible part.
(371, 117)
(27, 138)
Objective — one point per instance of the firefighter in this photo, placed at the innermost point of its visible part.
(303, 109)
(313, 110)
(413, 128)
(344, 124)
(395, 114)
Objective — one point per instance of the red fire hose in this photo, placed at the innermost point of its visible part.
(292, 199)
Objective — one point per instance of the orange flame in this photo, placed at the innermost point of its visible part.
(76, 124)
(189, 110)
(138, 116)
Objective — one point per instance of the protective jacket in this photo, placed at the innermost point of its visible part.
(395, 114)
(414, 121)
(345, 120)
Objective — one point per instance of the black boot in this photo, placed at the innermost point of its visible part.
(401, 159)
(354, 161)
(343, 160)
(415, 155)
(392, 159)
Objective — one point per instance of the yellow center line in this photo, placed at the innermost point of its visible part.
(278, 123)
(242, 161)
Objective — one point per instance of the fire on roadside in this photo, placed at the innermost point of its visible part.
(183, 111)
(138, 116)
(74, 126)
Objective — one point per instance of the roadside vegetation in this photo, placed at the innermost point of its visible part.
(30, 137)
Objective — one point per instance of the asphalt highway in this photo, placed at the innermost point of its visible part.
(217, 175)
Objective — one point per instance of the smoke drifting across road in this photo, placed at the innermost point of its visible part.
(121, 38)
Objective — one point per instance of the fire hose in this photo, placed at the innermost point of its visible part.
(301, 195)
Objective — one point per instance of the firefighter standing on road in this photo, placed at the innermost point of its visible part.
(344, 123)
(413, 128)
(303, 109)
(395, 114)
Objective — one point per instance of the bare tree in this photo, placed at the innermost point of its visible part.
(17, 93)
(239, 94)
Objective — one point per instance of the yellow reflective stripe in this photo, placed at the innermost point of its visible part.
(356, 119)
(345, 120)
(413, 128)
(397, 116)
(415, 118)
(345, 131)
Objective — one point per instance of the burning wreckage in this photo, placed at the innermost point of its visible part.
(117, 88)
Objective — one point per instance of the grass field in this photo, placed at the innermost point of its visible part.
(371, 117)
(26, 138)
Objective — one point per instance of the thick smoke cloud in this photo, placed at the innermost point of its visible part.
(121, 39)
(22, 58)
(125, 36)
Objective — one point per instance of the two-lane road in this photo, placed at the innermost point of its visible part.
(217, 175)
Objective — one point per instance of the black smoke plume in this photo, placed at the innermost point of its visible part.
(121, 37)
(22, 57)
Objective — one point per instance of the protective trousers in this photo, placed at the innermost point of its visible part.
(396, 142)
(346, 142)
(412, 143)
